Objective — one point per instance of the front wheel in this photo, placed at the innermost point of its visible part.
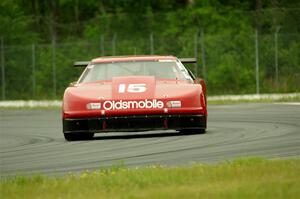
(78, 136)
(193, 131)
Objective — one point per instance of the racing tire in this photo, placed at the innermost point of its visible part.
(78, 136)
(193, 131)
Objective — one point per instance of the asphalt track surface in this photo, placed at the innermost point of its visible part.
(31, 141)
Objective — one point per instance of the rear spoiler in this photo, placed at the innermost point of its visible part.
(182, 60)
(188, 60)
(81, 63)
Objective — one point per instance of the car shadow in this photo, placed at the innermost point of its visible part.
(142, 136)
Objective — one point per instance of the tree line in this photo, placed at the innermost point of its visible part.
(221, 33)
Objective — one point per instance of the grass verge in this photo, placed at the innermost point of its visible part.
(242, 178)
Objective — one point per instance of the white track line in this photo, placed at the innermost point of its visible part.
(289, 103)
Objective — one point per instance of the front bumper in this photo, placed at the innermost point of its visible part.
(133, 123)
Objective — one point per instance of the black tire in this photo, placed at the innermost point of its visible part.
(78, 136)
(201, 131)
(193, 131)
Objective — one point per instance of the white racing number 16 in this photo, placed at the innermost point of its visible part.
(132, 88)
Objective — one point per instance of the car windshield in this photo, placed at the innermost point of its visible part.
(165, 69)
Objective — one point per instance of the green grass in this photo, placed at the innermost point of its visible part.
(242, 178)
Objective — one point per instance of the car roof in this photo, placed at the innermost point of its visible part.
(133, 58)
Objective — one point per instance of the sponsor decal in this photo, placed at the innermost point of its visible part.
(93, 106)
(174, 104)
(123, 105)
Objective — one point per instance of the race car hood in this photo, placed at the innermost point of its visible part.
(141, 87)
(134, 88)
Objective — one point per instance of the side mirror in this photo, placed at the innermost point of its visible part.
(203, 84)
(200, 81)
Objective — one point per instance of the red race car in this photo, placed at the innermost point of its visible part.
(134, 93)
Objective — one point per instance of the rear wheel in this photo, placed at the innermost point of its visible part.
(78, 136)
